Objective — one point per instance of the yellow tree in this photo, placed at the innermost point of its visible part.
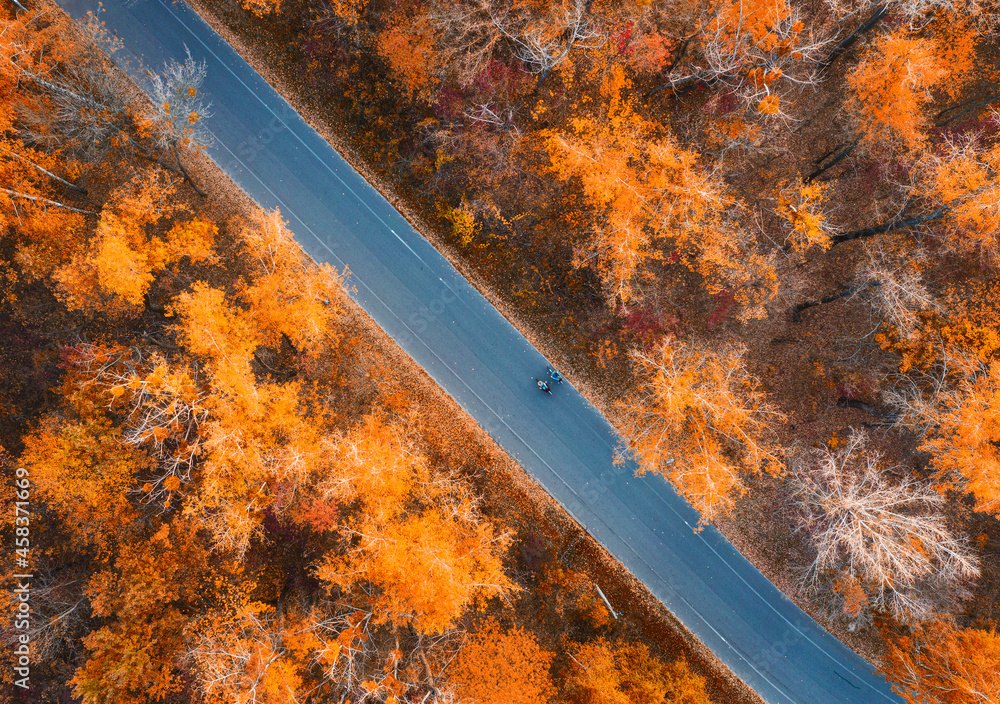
(252, 442)
(288, 294)
(255, 437)
(213, 329)
(408, 523)
(85, 472)
(611, 673)
(117, 268)
(260, 444)
(937, 663)
(699, 419)
(457, 564)
(502, 666)
(136, 655)
(646, 193)
(890, 87)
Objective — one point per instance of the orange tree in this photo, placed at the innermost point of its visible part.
(288, 295)
(947, 390)
(963, 179)
(116, 269)
(613, 673)
(145, 600)
(252, 652)
(937, 663)
(699, 419)
(404, 524)
(891, 85)
(890, 91)
(959, 420)
(956, 185)
(85, 472)
(69, 119)
(649, 194)
(502, 666)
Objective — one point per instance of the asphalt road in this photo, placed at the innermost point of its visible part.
(487, 366)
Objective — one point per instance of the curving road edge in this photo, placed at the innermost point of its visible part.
(487, 366)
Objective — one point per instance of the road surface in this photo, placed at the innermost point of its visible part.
(487, 366)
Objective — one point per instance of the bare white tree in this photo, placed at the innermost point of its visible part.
(726, 49)
(90, 109)
(355, 651)
(468, 36)
(917, 12)
(891, 283)
(542, 47)
(179, 108)
(354, 642)
(60, 613)
(500, 118)
(85, 107)
(887, 535)
(471, 30)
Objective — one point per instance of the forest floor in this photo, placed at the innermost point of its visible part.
(805, 366)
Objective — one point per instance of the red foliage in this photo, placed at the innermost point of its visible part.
(622, 40)
(724, 302)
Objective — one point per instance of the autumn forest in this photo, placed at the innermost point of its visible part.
(762, 237)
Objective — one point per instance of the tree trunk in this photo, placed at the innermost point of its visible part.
(156, 342)
(844, 292)
(147, 301)
(848, 41)
(48, 173)
(684, 86)
(867, 408)
(674, 60)
(969, 106)
(844, 153)
(38, 199)
(187, 176)
(268, 367)
(894, 224)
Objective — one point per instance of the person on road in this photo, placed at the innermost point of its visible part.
(556, 376)
(543, 386)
